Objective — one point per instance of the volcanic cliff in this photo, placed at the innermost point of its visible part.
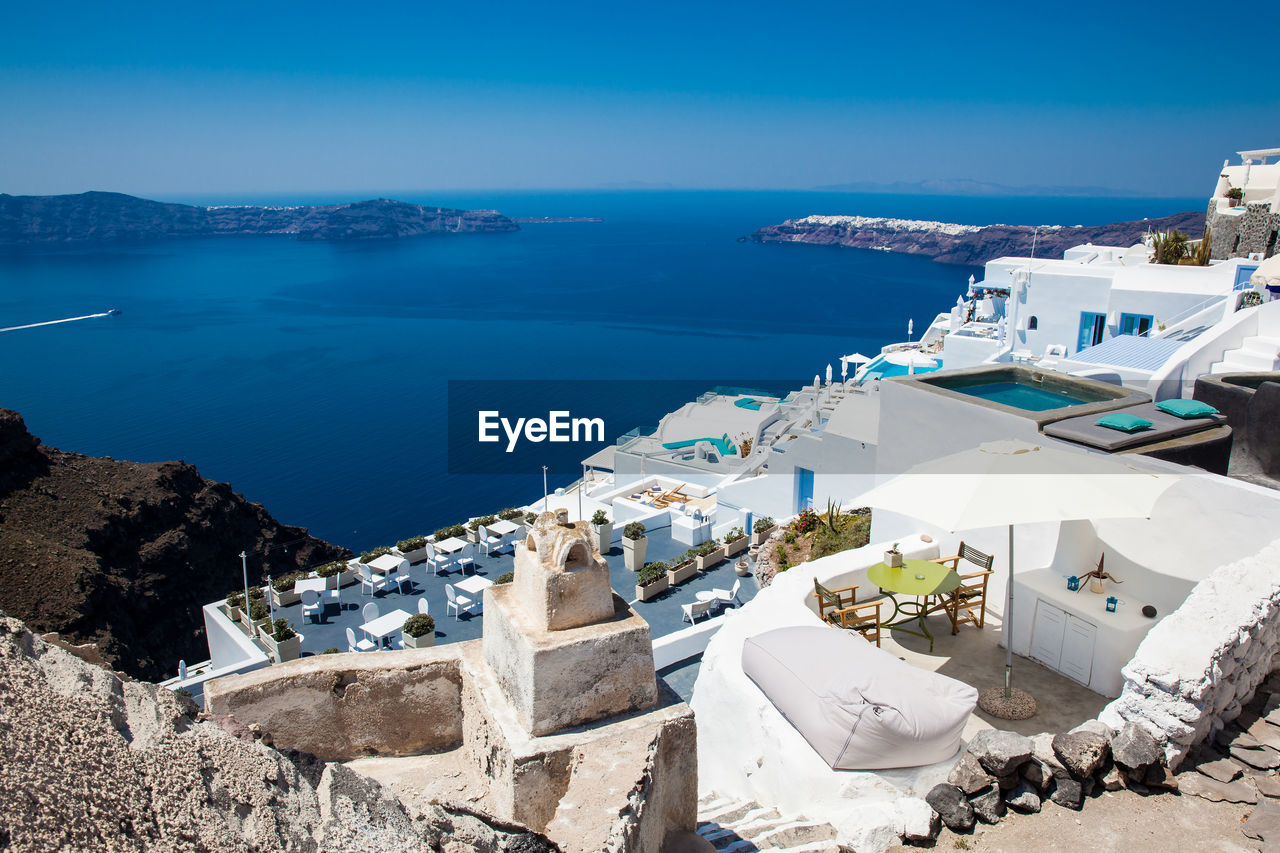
(101, 217)
(123, 555)
(951, 243)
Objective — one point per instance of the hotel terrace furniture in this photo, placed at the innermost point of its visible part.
(457, 603)
(438, 555)
(1086, 430)
(918, 581)
(863, 618)
(319, 586)
(506, 531)
(384, 626)
(423, 607)
(311, 605)
(729, 596)
(370, 611)
(369, 579)
(695, 609)
(475, 586)
(488, 542)
(466, 557)
(386, 564)
(402, 576)
(971, 595)
(858, 706)
(354, 645)
(833, 599)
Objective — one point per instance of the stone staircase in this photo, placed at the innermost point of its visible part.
(736, 826)
(1256, 353)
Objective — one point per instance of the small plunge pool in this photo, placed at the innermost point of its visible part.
(1031, 398)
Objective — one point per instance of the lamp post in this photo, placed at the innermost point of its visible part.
(545, 507)
(244, 565)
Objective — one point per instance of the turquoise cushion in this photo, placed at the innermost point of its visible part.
(1123, 422)
(1180, 408)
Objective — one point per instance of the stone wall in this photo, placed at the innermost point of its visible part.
(1238, 236)
(1196, 670)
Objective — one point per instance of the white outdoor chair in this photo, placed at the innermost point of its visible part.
(488, 541)
(691, 612)
(370, 612)
(363, 645)
(311, 605)
(422, 605)
(402, 576)
(729, 596)
(369, 579)
(439, 562)
(467, 557)
(459, 603)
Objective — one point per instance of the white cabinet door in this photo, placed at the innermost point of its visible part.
(1077, 649)
(1046, 634)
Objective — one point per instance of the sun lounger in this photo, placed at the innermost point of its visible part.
(1084, 429)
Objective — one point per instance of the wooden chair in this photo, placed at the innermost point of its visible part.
(863, 618)
(972, 592)
(834, 599)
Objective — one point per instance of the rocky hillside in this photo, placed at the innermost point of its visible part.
(94, 763)
(123, 555)
(98, 217)
(950, 243)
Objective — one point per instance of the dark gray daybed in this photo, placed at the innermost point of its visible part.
(1085, 430)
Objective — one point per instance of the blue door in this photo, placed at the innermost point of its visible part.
(1092, 327)
(804, 489)
(1135, 324)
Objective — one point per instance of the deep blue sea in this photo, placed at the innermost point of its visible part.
(312, 377)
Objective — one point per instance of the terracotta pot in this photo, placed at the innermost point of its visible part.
(741, 568)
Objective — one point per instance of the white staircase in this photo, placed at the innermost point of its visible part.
(1257, 353)
(736, 826)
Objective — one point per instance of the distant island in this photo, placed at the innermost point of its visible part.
(968, 187)
(102, 217)
(555, 220)
(951, 243)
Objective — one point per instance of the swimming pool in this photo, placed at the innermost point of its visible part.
(880, 368)
(1029, 398)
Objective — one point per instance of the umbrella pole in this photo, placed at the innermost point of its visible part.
(1008, 624)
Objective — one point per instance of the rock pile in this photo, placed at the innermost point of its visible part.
(1002, 771)
(95, 763)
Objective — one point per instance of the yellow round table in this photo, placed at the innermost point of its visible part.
(919, 579)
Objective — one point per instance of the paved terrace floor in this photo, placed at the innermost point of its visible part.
(662, 613)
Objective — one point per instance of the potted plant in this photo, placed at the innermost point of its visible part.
(735, 542)
(419, 631)
(473, 526)
(603, 529)
(505, 577)
(709, 554)
(513, 515)
(893, 557)
(634, 543)
(651, 581)
(233, 606)
(374, 553)
(1235, 195)
(258, 616)
(281, 641)
(413, 549)
(761, 529)
(683, 568)
(282, 594)
(453, 531)
(332, 573)
(530, 518)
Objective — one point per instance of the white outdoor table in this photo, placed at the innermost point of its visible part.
(388, 623)
(385, 564)
(316, 584)
(452, 545)
(502, 528)
(705, 595)
(475, 587)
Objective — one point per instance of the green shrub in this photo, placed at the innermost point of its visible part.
(332, 650)
(762, 524)
(328, 570)
(374, 553)
(599, 517)
(734, 535)
(419, 625)
(453, 531)
(255, 593)
(789, 537)
(486, 520)
(510, 514)
(236, 599)
(530, 517)
(505, 577)
(285, 583)
(651, 573)
(1235, 192)
(413, 543)
(634, 531)
(281, 631)
(258, 610)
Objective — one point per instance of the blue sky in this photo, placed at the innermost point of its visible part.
(229, 97)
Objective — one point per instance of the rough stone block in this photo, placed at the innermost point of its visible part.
(1135, 747)
(1068, 793)
(952, 807)
(560, 579)
(969, 776)
(559, 679)
(988, 805)
(1023, 798)
(1000, 752)
(1081, 752)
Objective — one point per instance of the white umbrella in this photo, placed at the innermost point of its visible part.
(817, 382)
(1267, 273)
(910, 359)
(1014, 482)
(828, 374)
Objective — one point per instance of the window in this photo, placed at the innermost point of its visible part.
(1033, 323)
(1092, 328)
(1135, 324)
